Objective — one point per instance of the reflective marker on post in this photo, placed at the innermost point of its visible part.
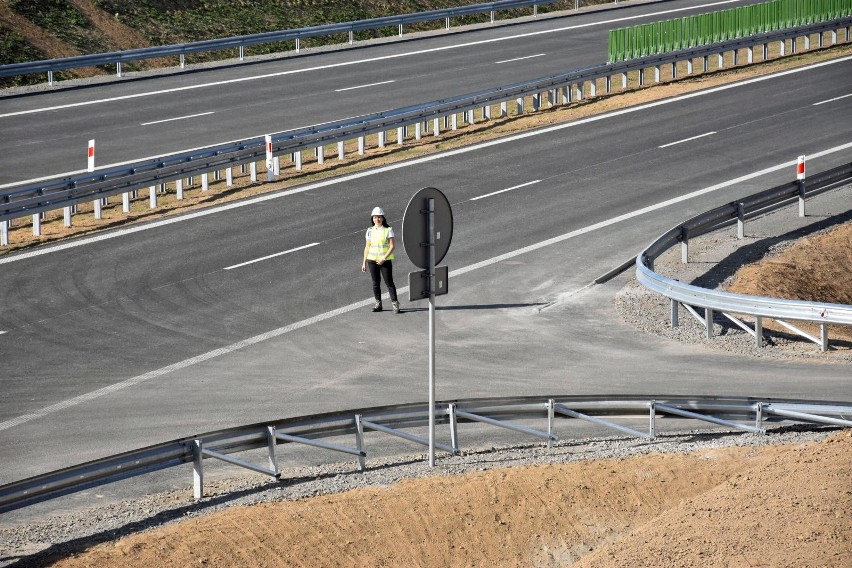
(91, 167)
(800, 168)
(270, 167)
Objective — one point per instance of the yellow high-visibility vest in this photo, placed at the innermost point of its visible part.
(379, 243)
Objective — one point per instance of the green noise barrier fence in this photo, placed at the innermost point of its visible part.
(704, 29)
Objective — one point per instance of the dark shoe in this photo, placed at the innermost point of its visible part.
(395, 307)
(378, 306)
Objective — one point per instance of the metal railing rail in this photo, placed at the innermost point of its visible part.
(49, 66)
(68, 190)
(391, 420)
(691, 297)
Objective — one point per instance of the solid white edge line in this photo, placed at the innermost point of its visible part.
(832, 100)
(520, 58)
(364, 86)
(368, 60)
(505, 190)
(176, 118)
(687, 139)
(92, 395)
(270, 256)
(418, 161)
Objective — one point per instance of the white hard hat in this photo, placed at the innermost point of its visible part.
(377, 211)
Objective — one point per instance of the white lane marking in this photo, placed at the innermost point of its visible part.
(2, 332)
(368, 60)
(363, 86)
(270, 256)
(687, 139)
(505, 190)
(832, 100)
(176, 118)
(344, 179)
(89, 396)
(520, 58)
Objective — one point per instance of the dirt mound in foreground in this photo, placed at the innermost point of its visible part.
(816, 268)
(766, 506)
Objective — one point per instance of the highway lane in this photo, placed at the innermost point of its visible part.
(147, 336)
(157, 115)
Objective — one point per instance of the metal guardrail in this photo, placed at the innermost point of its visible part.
(739, 413)
(116, 58)
(691, 297)
(68, 190)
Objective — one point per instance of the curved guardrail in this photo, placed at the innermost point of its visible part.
(782, 311)
(50, 66)
(745, 414)
(33, 198)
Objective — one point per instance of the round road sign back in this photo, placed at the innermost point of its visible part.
(415, 226)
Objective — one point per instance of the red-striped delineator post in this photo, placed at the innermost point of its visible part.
(800, 177)
(91, 154)
(270, 172)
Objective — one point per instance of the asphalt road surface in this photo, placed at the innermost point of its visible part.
(165, 330)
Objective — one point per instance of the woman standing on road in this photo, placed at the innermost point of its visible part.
(378, 257)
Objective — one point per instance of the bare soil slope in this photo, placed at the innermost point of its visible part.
(767, 506)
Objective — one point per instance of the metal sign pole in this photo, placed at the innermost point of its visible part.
(431, 209)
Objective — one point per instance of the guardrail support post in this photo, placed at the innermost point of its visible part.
(125, 206)
(656, 73)
(197, 470)
(242, 52)
(580, 87)
(276, 165)
(593, 88)
(436, 127)
(551, 411)
(298, 45)
(736, 57)
(359, 442)
(454, 426)
(675, 313)
(179, 188)
(253, 171)
(66, 215)
(740, 221)
(750, 55)
(492, 16)
(758, 415)
(706, 63)
(486, 112)
(98, 209)
(652, 420)
(642, 77)
(400, 134)
(708, 323)
(351, 37)
(418, 131)
(765, 51)
(118, 68)
(50, 78)
(782, 48)
(205, 181)
(152, 197)
(823, 337)
(4, 233)
(689, 66)
(340, 151)
(270, 443)
(381, 139)
(520, 105)
(608, 84)
(624, 80)
(721, 61)
(360, 153)
(684, 245)
(758, 331)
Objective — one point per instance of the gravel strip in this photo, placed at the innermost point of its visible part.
(35, 544)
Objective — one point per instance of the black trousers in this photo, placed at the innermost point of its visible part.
(379, 271)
